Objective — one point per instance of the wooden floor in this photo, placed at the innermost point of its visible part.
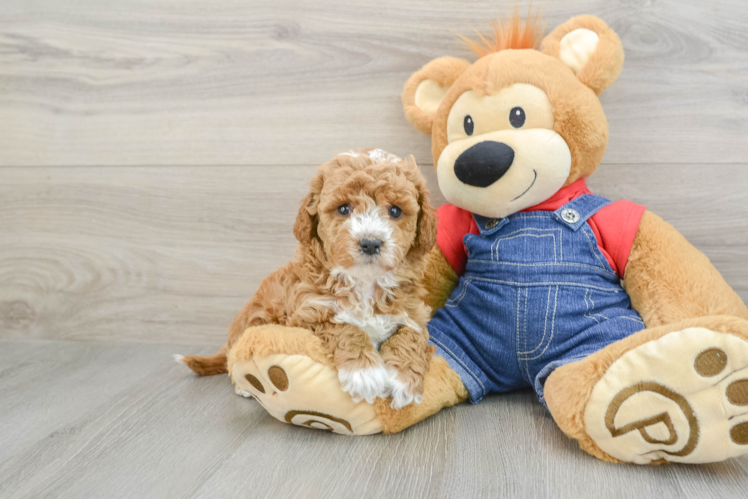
(152, 157)
(85, 419)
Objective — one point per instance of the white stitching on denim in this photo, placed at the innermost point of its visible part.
(516, 347)
(460, 361)
(553, 327)
(498, 242)
(495, 244)
(547, 308)
(593, 248)
(518, 231)
(597, 205)
(545, 265)
(463, 292)
(523, 216)
(527, 365)
(524, 323)
(523, 229)
(615, 289)
(467, 239)
(587, 313)
(564, 361)
(545, 326)
(630, 319)
(590, 308)
(593, 307)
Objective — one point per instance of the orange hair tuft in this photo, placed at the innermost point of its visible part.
(510, 35)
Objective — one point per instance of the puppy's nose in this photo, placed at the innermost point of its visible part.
(484, 163)
(370, 247)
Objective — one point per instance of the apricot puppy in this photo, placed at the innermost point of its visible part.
(364, 232)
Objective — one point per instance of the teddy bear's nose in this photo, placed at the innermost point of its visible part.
(484, 163)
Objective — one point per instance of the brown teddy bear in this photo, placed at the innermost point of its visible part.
(527, 279)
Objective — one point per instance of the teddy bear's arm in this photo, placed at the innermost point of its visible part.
(669, 280)
(439, 280)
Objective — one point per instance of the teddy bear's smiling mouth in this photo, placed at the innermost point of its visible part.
(535, 172)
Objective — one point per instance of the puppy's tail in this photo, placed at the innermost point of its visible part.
(205, 365)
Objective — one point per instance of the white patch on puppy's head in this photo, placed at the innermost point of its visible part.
(378, 155)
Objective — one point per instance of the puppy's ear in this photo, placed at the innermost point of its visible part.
(426, 88)
(590, 48)
(305, 227)
(426, 229)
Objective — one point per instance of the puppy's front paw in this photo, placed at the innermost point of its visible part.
(242, 393)
(365, 383)
(403, 393)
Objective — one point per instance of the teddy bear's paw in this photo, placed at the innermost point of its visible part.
(297, 390)
(403, 393)
(365, 383)
(680, 398)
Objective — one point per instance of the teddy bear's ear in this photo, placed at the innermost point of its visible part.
(426, 88)
(591, 49)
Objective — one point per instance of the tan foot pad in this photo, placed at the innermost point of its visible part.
(680, 398)
(297, 390)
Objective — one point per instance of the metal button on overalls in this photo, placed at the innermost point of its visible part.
(570, 215)
(492, 223)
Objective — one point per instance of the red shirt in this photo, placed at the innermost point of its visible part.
(614, 226)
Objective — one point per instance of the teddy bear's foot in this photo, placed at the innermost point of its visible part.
(679, 397)
(288, 373)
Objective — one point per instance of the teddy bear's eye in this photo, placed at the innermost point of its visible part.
(468, 124)
(517, 117)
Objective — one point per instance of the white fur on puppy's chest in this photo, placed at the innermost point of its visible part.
(363, 281)
(379, 327)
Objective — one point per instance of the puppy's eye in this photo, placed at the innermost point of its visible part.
(468, 124)
(517, 117)
(395, 212)
(344, 210)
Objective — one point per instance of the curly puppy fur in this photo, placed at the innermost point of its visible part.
(367, 309)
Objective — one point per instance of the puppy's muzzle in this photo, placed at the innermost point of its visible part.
(370, 247)
(484, 163)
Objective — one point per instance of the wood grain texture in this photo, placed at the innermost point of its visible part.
(95, 420)
(152, 158)
(186, 82)
(170, 254)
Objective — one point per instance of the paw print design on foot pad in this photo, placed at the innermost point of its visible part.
(300, 391)
(680, 398)
(713, 362)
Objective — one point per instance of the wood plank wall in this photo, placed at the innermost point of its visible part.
(152, 155)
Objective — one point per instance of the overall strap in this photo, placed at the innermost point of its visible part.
(575, 213)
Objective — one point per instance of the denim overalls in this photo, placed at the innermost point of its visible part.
(537, 293)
